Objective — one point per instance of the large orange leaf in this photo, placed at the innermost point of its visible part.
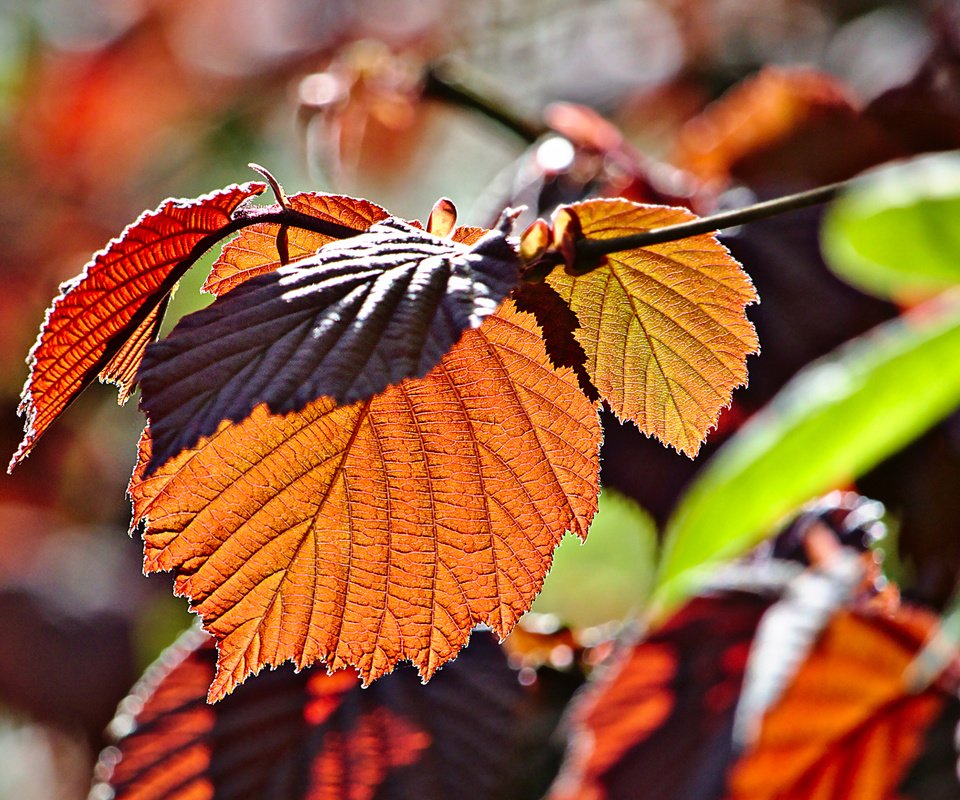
(112, 307)
(384, 530)
(849, 725)
(357, 316)
(309, 735)
(663, 327)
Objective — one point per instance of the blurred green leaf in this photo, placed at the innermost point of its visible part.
(834, 420)
(610, 575)
(897, 233)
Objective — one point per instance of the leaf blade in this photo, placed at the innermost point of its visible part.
(99, 310)
(493, 452)
(357, 317)
(663, 327)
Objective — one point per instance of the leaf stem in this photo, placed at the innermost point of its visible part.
(591, 248)
(453, 82)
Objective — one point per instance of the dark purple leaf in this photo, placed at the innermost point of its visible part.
(361, 315)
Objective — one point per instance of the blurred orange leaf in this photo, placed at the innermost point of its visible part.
(663, 327)
(104, 318)
(313, 735)
(870, 724)
(782, 125)
(662, 715)
(385, 530)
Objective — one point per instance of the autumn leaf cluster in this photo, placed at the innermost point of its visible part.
(361, 456)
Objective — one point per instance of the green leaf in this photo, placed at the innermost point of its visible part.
(833, 421)
(897, 233)
(610, 574)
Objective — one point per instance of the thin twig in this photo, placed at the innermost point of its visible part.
(454, 83)
(587, 248)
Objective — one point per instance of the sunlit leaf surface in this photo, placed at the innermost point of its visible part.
(663, 327)
(385, 530)
(104, 318)
(359, 315)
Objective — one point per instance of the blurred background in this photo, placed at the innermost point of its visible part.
(109, 106)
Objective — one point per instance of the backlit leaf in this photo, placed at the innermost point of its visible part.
(872, 724)
(312, 735)
(105, 317)
(360, 315)
(662, 327)
(384, 530)
(122, 369)
(896, 233)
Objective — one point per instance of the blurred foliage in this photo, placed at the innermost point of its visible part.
(833, 421)
(895, 234)
(607, 577)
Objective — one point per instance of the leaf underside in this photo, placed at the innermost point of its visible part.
(662, 327)
(104, 318)
(385, 530)
(300, 735)
(358, 316)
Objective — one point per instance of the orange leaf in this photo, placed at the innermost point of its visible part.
(254, 250)
(848, 725)
(307, 734)
(663, 327)
(122, 369)
(107, 309)
(387, 529)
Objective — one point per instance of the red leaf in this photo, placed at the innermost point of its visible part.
(307, 734)
(107, 309)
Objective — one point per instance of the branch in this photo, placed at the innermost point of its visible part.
(591, 248)
(454, 83)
